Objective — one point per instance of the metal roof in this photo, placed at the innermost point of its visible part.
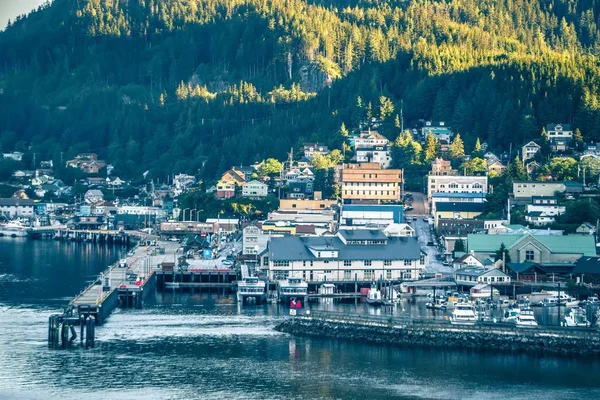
(467, 207)
(362, 234)
(295, 248)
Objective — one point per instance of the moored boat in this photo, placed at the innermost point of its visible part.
(463, 314)
(374, 297)
(576, 317)
(13, 229)
(290, 288)
(526, 318)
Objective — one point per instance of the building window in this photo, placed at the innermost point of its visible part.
(347, 275)
(367, 263)
(387, 263)
(347, 263)
(326, 262)
(327, 271)
(388, 274)
(529, 255)
(369, 274)
(406, 275)
(422, 259)
(279, 263)
(408, 263)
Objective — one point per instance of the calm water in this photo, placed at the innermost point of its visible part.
(190, 346)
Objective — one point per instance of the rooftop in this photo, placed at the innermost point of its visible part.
(466, 207)
(290, 248)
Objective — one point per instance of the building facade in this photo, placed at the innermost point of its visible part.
(368, 182)
(374, 215)
(456, 184)
(13, 208)
(361, 255)
(255, 189)
(529, 150)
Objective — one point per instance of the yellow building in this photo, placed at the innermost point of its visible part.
(306, 204)
(367, 181)
(457, 210)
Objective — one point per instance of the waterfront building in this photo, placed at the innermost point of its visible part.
(475, 275)
(367, 182)
(185, 228)
(12, 207)
(535, 248)
(361, 255)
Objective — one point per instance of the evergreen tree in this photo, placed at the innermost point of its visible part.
(544, 135)
(343, 131)
(502, 251)
(459, 246)
(516, 170)
(477, 149)
(457, 147)
(431, 148)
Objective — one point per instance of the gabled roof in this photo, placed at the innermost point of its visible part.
(532, 144)
(564, 244)
(552, 127)
(297, 248)
(587, 265)
(362, 234)
(465, 257)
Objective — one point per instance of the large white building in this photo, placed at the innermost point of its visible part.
(361, 255)
(17, 208)
(140, 210)
(254, 240)
(455, 198)
(456, 184)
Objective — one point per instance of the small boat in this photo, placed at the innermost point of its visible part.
(463, 314)
(549, 302)
(13, 229)
(510, 316)
(437, 304)
(526, 318)
(591, 301)
(576, 317)
(374, 296)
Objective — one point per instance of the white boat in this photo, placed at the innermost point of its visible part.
(374, 297)
(463, 314)
(526, 318)
(591, 301)
(568, 301)
(576, 317)
(13, 229)
(250, 288)
(292, 287)
(437, 304)
(510, 316)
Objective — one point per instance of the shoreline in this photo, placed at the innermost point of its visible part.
(546, 341)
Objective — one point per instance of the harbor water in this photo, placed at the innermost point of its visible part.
(186, 346)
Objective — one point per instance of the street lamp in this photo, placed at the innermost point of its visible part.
(184, 213)
(192, 213)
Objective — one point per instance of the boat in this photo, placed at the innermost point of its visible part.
(13, 229)
(591, 301)
(566, 300)
(292, 287)
(576, 317)
(526, 318)
(510, 316)
(463, 314)
(437, 304)
(374, 296)
(549, 302)
(251, 288)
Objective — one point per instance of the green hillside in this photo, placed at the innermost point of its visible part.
(196, 86)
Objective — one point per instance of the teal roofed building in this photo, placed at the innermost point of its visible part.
(527, 247)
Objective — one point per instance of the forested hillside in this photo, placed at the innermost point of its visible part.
(198, 85)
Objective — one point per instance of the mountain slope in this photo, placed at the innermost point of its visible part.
(189, 85)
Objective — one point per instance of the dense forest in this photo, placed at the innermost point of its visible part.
(199, 85)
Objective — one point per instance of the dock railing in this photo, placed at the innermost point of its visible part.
(444, 324)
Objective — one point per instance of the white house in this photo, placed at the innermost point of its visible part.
(361, 254)
(15, 156)
(372, 147)
(529, 150)
(255, 189)
(467, 260)
(93, 196)
(254, 240)
(559, 136)
(17, 207)
(399, 230)
(471, 276)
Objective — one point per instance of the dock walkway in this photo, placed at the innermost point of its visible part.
(101, 296)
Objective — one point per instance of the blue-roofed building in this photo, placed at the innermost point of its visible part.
(371, 215)
(356, 254)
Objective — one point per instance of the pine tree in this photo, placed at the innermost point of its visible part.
(501, 253)
(577, 136)
(477, 149)
(516, 170)
(343, 131)
(457, 147)
(459, 246)
(431, 148)
(544, 135)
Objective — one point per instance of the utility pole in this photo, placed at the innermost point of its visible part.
(402, 115)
